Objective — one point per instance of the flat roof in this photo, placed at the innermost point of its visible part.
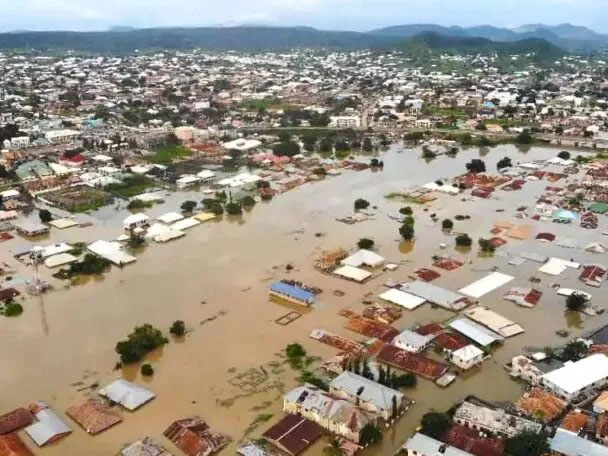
(475, 332)
(575, 376)
(401, 298)
(297, 293)
(486, 284)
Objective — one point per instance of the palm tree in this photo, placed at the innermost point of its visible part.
(334, 447)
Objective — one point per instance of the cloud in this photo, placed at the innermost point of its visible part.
(333, 14)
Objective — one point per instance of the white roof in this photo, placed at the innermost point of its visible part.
(111, 251)
(53, 249)
(485, 285)
(445, 188)
(185, 224)
(169, 236)
(59, 260)
(494, 321)
(47, 426)
(576, 376)
(475, 332)
(555, 266)
(427, 446)
(242, 144)
(570, 444)
(187, 179)
(401, 298)
(170, 217)
(130, 395)
(352, 273)
(364, 258)
(102, 158)
(135, 218)
(149, 196)
(369, 391)
(63, 223)
(10, 193)
(206, 174)
(467, 353)
(411, 338)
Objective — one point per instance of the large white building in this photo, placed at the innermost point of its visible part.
(579, 377)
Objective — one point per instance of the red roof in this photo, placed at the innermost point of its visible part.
(12, 445)
(412, 362)
(15, 420)
(469, 440)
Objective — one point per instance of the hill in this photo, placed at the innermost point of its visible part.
(430, 42)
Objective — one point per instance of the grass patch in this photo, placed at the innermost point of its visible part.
(131, 186)
(166, 155)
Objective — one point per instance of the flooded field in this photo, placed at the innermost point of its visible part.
(229, 368)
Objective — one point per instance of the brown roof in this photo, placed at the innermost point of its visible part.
(451, 341)
(372, 328)
(294, 434)
(412, 362)
(431, 328)
(469, 440)
(12, 445)
(15, 420)
(601, 428)
(193, 437)
(94, 416)
(541, 404)
(8, 293)
(574, 421)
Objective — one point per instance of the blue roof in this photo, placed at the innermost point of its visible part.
(570, 444)
(293, 292)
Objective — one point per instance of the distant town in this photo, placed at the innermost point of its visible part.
(304, 252)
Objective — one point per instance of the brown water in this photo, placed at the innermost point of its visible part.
(228, 368)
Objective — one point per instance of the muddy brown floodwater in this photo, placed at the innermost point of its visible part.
(228, 368)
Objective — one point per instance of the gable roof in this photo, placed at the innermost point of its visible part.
(130, 395)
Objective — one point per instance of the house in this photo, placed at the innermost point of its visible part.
(601, 428)
(364, 258)
(334, 415)
(437, 295)
(477, 333)
(423, 445)
(524, 368)
(467, 357)
(130, 395)
(12, 445)
(344, 121)
(292, 293)
(194, 437)
(61, 136)
(136, 221)
(577, 378)
(94, 416)
(568, 443)
(600, 405)
(48, 427)
(32, 229)
(484, 417)
(294, 434)
(15, 420)
(412, 341)
(144, 447)
(367, 394)
(111, 251)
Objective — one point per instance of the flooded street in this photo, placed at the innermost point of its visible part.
(228, 369)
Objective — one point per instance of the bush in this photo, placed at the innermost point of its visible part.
(139, 204)
(407, 231)
(370, 434)
(576, 301)
(45, 216)
(464, 240)
(407, 210)
(233, 208)
(247, 201)
(178, 328)
(147, 370)
(142, 340)
(365, 243)
(213, 205)
(528, 443)
(12, 309)
(90, 264)
(504, 163)
(564, 155)
(361, 204)
(288, 149)
(486, 246)
(295, 351)
(435, 424)
(574, 351)
(476, 166)
(447, 224)
(188, 206)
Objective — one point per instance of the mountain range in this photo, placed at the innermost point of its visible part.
(123, 39)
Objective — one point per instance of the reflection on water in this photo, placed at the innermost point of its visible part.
(574, 319)
(407, 246)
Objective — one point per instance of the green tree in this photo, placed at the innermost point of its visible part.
(45, 216)
(576, 301)
(574, 351)
(370, 434)
(447, 224)
(486, 246)
(188, 206)
(147, 370)
(142, 340)
(435, 424)
(407, 210)
(233, 208)
(407, 231)
(295, 351)
(360, 203)
(365, 243)
(178, 328)
(527, 443)
(524, 138)
(288, 149)
(464, 240)
(247, 201)
(334, 447)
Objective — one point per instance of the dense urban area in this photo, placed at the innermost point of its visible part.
(307, 251)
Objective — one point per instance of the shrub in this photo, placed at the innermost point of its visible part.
(178, 328)
(407, 210)
(12, 309)
(370, 434)
(188, 206)
(142, 340)
(360, 203)
(476, 166)
(576, 301)
(407, 231)
(295, 351)
(233, 208)
(147, 370)
(486, 246)
(247, 201)
(435, 424)
(504, 163)
(564, 155)
(447, 224)
(365, 243)
(464, 240)
(45, 216)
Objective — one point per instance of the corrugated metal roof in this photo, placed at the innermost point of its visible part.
(127, 394)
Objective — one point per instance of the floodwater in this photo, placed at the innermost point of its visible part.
(229, 369)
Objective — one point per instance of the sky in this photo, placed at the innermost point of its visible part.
(361, 15)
